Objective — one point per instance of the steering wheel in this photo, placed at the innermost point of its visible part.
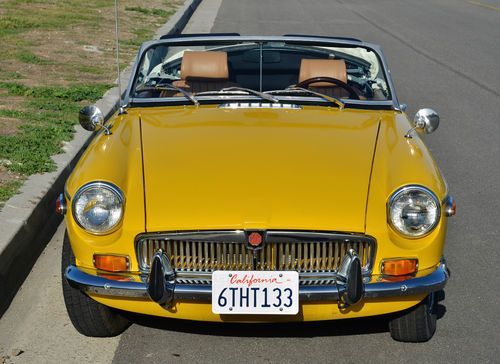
(336, 82)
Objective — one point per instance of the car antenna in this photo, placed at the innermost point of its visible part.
(121, 109)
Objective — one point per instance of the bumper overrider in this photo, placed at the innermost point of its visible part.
(349, 289)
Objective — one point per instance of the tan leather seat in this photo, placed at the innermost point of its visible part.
(204, 71)
(334, 68)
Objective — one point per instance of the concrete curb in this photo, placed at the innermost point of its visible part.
(28, 220)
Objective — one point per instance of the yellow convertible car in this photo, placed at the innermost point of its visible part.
(256, 179)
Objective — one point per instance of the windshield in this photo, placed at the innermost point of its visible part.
(260, 69)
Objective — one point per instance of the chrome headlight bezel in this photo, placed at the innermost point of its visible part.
(110, 187)
(405, 190)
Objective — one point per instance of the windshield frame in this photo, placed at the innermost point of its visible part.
(200, 40)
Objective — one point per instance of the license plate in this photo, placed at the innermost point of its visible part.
(255, 292)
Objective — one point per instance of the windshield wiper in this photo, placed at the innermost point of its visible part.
(170, 87)
(235, 89)
(294, 90)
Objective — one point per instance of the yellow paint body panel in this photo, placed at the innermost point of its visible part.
(207, 168)
(307, 311)
(399, 161)
(247, 168)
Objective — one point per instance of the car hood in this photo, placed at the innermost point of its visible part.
(214, 168)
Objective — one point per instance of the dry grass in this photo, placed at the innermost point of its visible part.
(56, 56)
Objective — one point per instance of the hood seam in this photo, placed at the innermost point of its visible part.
(371, 172)
(143, 175)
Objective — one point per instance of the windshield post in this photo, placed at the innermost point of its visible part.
(261, 59)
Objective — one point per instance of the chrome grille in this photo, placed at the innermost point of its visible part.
(195, 256)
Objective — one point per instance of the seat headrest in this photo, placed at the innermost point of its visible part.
(206, 65)
(335, 68)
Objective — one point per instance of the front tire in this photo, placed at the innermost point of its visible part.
(416, 324)
(89, 317)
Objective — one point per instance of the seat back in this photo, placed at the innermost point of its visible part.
(334, 68)
(204, 71)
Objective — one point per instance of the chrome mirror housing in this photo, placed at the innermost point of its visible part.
(426, 119)
(90, 117)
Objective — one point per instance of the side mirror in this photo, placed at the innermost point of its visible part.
(90, 117)
(426, 120)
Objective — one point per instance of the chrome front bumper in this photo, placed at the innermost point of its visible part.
(93, 284)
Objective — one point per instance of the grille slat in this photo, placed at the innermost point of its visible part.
(300, 255)
(207, 256)
(305, 256)
(270, 265)
(318, 256)
(211, 263)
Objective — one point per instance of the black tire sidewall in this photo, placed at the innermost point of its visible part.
(88, 316)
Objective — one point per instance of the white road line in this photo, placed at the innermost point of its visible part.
(487, 6)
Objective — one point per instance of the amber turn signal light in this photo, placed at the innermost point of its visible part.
(111, 263)
(399, 267)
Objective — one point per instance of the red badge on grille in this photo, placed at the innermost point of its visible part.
(255, 239)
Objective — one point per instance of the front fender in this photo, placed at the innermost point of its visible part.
(115, 158)
(400, 161)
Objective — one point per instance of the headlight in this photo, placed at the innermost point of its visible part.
(98, 207)
(414, 211)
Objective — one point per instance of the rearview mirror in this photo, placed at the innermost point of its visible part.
(426, 119)
(90, 117)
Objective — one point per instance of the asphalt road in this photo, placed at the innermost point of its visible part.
(443, 54)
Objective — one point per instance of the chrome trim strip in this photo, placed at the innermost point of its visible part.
(259, 105)
(90, 283)
(193, 275)
(433, 282)
(239, 236)
(312, 100)
(275, 236)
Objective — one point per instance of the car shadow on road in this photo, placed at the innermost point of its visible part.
(292, 329)
(357, 326)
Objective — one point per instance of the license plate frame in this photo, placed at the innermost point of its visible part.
(255, 292)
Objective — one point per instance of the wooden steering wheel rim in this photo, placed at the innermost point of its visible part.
(337, 82)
